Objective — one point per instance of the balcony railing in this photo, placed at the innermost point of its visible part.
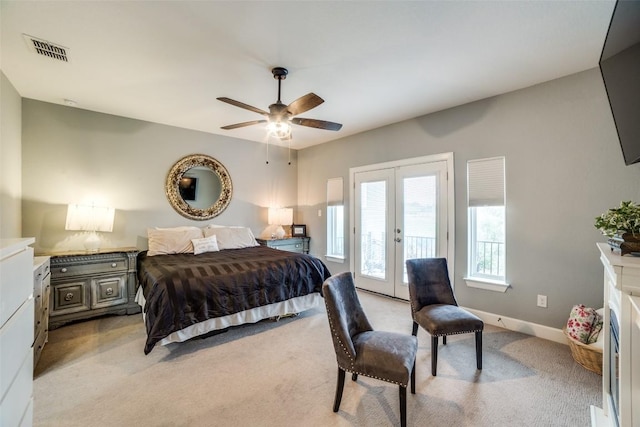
(374, 251)
(489, 255)
(489, 258)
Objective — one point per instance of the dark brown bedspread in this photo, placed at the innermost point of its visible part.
(184, 289)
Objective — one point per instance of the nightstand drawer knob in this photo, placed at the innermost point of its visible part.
(63, 270)
(114, 265)
(109, 291)
(68, 296)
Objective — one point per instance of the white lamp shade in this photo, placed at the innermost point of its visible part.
(89, 218)
(280, 216)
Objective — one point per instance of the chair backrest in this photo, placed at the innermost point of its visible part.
(346, 316)
(429, 282)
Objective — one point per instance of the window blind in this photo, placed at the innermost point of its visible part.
(485, 182)
(334, 192)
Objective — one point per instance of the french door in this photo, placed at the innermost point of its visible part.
(400, 213)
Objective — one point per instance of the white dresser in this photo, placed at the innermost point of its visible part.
(621, 368)
(16, 332)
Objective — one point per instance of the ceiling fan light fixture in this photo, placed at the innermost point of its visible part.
(281, 116)
(279, 129)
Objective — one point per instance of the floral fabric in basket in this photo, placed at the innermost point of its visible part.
(584, 324)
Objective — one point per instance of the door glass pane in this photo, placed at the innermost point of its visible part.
(373, 214)
(420, 218)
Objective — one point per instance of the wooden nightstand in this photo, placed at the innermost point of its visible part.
(85, 285)
(291, 244)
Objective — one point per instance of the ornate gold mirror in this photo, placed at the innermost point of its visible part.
(198, 187)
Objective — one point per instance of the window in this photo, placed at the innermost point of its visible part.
(486, 232)
(335, 219)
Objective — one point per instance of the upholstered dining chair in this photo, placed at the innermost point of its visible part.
(434, 307)
(387, 356)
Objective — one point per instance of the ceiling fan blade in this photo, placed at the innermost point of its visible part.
(313, 123)
(243, 124)
(304, 103)
(242, 105)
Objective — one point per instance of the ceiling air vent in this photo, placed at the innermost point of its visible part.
(45, 48)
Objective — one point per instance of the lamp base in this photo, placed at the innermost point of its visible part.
(279, 233)
(92, 243)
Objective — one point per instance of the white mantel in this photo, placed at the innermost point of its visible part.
(622, 295)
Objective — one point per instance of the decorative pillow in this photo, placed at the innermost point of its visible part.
(596, 327)
(172, 241)
(232, 237)
(205, 244)
(580, 323)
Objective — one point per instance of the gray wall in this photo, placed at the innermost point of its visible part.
(10, 160)
(74, 156)
(563, 168)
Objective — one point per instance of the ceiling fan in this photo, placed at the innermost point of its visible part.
(281, 116)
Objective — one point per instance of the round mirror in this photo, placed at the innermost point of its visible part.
(198, 187)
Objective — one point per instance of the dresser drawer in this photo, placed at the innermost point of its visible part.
(60, 272)
(14, 407)
(16, 338)
(38, 345)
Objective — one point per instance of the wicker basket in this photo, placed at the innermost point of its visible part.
(586, 355)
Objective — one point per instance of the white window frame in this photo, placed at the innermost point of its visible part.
(335, 200)
(485, 187)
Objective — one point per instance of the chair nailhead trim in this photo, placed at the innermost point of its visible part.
(455, 333)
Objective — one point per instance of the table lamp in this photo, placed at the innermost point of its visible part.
(90, 219)
(280, 217)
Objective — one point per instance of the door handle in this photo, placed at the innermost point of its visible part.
(397, 239)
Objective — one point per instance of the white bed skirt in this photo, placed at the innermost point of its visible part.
(291, 306)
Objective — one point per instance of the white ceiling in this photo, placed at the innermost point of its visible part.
(374, 63)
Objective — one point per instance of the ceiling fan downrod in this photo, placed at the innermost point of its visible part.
(279, 73)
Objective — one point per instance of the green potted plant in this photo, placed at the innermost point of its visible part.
(622, 226)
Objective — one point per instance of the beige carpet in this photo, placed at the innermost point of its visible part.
(94, 373)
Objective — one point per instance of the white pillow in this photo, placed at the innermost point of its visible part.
(172, 241)
(205, 244)
(232, 237)
(181, 228)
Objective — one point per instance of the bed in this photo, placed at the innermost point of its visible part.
(184, 295)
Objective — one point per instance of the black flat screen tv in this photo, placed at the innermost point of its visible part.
(187, 187)
(620, 69)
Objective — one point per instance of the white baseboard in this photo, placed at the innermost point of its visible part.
(517, 325)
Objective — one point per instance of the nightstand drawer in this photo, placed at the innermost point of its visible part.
(60, 272)
(108, 291)
(295, 247)
(69, 298)
(291, 244)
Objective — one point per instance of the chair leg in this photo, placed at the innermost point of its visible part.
(354, 377)
(415, 329)
(479, 349)
(444, 340)
(403, 406)
(434, 355)
(339, 388)
(413, 378)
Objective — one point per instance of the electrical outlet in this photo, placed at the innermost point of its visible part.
(319, 212)
(542, 301)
